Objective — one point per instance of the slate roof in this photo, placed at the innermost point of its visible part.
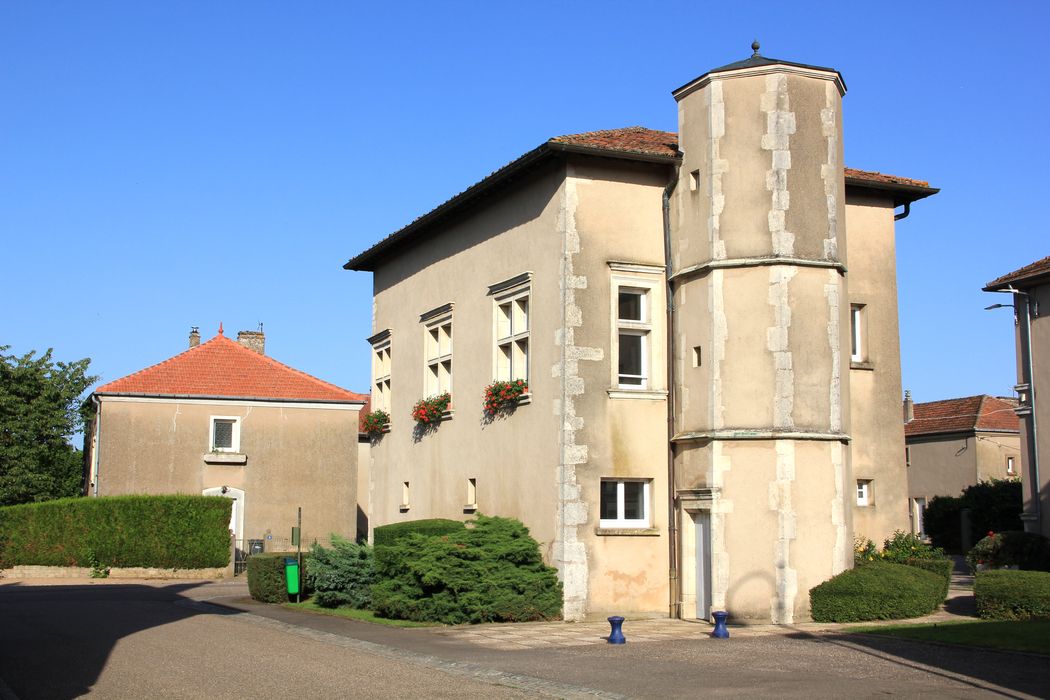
(634, 143)
(968, 414)
(223, 368)
(1030, 272)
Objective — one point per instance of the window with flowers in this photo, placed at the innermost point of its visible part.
(437, 343)
(511, 328)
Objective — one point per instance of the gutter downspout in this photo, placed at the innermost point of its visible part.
(95, 444)
(674, 604)
(903, 214)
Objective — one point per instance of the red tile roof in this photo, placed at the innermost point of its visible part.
(632, 139)
(1036, 269)
(963, 415)
(224, 368)
(872, 176)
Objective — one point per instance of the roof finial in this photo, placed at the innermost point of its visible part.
(755, 46)
(220, 327)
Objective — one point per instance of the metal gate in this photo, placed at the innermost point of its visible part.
(243, 551)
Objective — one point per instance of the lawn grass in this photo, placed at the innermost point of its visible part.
(355, 614)
(1031, 635)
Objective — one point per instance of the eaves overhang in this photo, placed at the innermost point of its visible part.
(901, 193)
(207, 397)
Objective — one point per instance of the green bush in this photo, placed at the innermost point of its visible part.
(994, 506)
(170, 532)
(266, 577)
(902, 546)
(942, 567)
(876, 591)
(1027, 551)
(490, 571)
(342, 575)
(385, 535)
(1012, 595)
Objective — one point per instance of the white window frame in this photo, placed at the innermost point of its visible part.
(235, 438)
(437, 353)
(1010, 470)
(620, 522)
(857, 329)
(864, 493)
(381, 372)
(515, 343)
(645, 280)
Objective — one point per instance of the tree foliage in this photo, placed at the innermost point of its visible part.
(40, 409)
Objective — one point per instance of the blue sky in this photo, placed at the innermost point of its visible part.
(165, 165)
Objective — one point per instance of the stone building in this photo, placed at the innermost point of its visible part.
(711, 370)
(956, 443)
(224, 419)
(1030, 288)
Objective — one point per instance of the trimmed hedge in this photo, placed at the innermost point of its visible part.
(266, 582)
(876, 591)
(942, 567)
(1012, 595)
(489, 572)
(169, 532)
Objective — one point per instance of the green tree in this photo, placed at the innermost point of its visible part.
(40, 409)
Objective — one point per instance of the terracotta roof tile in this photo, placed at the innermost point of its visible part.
(632, 139)
(224, 368)
(872, 176)
(1036, 269)
(963, 415)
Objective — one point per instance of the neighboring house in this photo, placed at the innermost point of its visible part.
(221, 418)
(956, 443)
(1030, 287)
(672, 458)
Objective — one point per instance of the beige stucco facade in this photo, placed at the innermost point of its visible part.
(288, 456)
(944, 465)
(743, 429)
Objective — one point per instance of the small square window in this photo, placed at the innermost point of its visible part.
(225, 434)
(624, 503)
(864, 495)
(1010, 466)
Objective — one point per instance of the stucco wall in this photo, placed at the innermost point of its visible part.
(294, 457)
(875, 383)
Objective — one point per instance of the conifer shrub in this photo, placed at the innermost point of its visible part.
(489, 571)
(876, 591)
(266, 577)
(1012, 595)
(385, 536)
(168, 532)
(342, 574)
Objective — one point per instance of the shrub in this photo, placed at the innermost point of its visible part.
(941, 519)
(902, 546)
(1027, 551)
(266, 577)
(386, 535)
(876, 591)
(942, 567)
(489, 572)
(994, 506)
(1012, 595)
(341, 575)
(864, 550)
(170, 532)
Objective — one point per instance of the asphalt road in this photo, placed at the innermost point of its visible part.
(155, 640)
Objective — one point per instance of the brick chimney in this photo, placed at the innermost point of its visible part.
(195, 337)
(909, 407)
(253, 340)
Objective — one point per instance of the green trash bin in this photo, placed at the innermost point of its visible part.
(291, 575)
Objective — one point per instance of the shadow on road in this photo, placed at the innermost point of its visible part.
(1022, 673)
(56, 640)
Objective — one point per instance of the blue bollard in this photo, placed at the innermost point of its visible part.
(720, 631)
(616, 636)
